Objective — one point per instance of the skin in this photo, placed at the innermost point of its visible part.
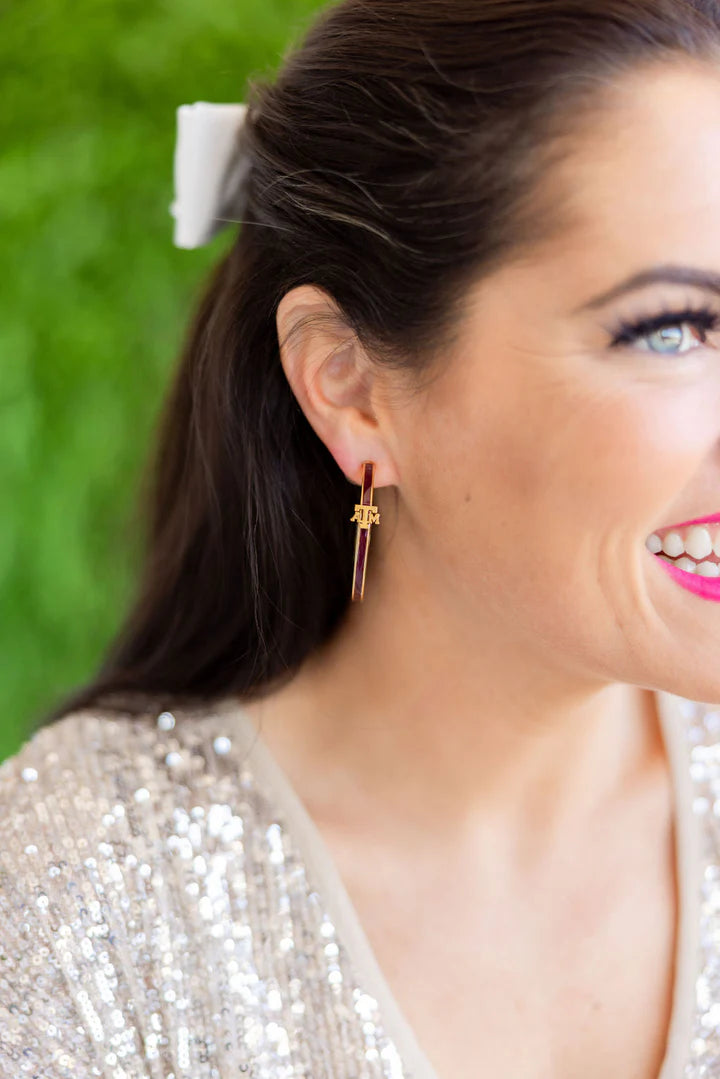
(514, 626)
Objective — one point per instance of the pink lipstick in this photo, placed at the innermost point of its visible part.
(707, 587)
(714, 519)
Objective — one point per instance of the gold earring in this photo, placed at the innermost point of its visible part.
(365, 514)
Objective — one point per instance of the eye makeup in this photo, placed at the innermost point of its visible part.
(703, 318)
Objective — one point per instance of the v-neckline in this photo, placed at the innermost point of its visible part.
(325, 877)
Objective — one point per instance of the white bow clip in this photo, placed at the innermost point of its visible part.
(208, 169)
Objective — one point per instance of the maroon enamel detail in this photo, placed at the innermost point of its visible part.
(361, 560)
(367, 484)
(362, 538)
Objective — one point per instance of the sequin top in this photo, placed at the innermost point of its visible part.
(169, 910)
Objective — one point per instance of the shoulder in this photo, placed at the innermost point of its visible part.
(94, 760)
(53, 786)
(99, 884)
(82, 786)
(56, 791)
(68, 744)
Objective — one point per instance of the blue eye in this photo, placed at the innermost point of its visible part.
(668, 330)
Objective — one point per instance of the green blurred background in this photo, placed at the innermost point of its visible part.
(94, 299)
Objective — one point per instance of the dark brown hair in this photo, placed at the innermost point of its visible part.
(399, 156)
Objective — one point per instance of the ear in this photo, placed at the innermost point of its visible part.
(334, 382)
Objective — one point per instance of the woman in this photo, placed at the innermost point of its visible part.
(465, 827)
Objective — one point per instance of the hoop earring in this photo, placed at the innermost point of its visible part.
(365, 514)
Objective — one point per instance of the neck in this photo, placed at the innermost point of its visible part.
(406, 716)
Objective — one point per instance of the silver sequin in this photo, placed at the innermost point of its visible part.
(703, 734)
(158, 920)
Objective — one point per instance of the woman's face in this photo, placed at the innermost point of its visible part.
(534, 468)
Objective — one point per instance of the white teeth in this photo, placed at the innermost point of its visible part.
(702, 569)
(672, 544)
(654, 543)
(698, 543)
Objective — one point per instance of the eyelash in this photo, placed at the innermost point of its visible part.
(702, 318)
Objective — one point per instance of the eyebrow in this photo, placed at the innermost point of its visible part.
(675, 275)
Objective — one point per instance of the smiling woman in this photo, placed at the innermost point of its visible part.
(468, 826)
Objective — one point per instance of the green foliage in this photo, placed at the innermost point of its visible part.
(94, 300)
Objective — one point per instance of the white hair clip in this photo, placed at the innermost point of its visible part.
(209, 170)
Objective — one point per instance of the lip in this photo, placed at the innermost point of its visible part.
(706, 587)
(714, 519)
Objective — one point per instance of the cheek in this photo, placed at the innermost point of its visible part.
(604, 452)
(622, 458)
(528, 485)
(520, 456)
